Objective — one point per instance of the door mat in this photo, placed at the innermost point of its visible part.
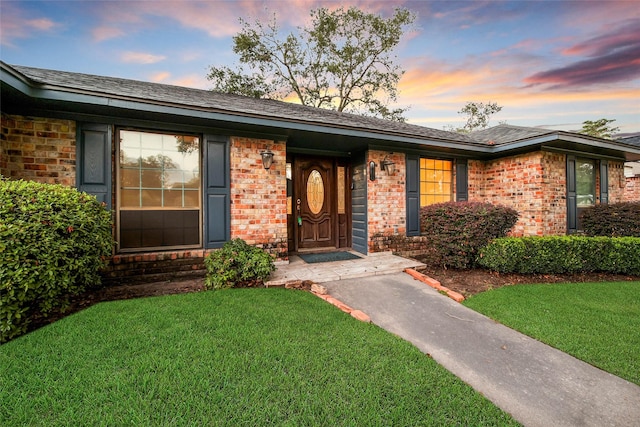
(328, 257)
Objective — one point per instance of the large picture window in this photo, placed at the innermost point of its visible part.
(435, 181)
(159, 186)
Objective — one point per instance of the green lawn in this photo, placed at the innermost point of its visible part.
(598, 323)
(236, 357)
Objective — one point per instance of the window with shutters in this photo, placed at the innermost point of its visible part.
(159, 190)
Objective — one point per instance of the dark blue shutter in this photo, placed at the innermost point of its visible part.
(359, 228)
(572, 215)
(217, 191)
(462, 181)
(604, 182)
(94, 161)
(413, 195)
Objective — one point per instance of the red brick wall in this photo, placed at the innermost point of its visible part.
(38, 149)
(632, 189)
(386, 197)
(258, 196)
(616, 182)
(534, 184)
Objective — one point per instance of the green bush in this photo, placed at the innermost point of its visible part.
(237, 264)
(53, 240)
(562, 254)
(456, 231)
(614, 220)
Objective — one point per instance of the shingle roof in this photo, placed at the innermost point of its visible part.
(630, 140)
(504, 134)
(208, 100)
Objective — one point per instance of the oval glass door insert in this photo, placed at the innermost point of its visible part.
(315, 192)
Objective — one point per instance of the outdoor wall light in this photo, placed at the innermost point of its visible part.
(267, 158)
(372, 170)
(388, 166)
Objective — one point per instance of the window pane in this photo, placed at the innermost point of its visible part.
(191, 199)
(585, 183)
(130, 198)
(173, 198)
(130, 178)
(435, 181)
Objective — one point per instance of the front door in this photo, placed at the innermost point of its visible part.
(315, 202)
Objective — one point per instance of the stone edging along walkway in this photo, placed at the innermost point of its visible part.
(321, 292)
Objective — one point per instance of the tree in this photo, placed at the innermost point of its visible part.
(478, 115)
(599, 128)
(343, 61)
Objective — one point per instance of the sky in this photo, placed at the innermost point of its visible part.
(552, 63)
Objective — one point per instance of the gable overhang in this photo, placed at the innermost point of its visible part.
(572, 144)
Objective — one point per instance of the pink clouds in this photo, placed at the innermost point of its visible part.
(15, 25)
(612, 57)
(141, 58)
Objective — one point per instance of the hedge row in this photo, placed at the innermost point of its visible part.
(614, 220)
(562, 254)
(456, 231)
(53, 240)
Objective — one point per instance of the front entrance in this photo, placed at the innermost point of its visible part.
(319, 217)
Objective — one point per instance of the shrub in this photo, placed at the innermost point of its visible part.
(562, 254)
(53, 240)
(614, 220)
(235, 264)
(455, 231)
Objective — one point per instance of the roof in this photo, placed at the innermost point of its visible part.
(306, 127)
(630, 140)
(216, 101)
(504, 134)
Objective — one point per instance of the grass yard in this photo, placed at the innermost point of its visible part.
(236, 357)
(598, 323)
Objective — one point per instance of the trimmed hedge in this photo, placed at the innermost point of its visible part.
(456, 231)
(237, 264)
(53, 240)
(562, 254)
(614, 220)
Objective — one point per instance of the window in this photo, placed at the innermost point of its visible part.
(435, 181)
(585, 183)
(159, 195)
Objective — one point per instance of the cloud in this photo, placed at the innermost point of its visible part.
(141, 58)
(626, 36)
(195, 81)
(105, 33)
(16, 25)
(613, 57)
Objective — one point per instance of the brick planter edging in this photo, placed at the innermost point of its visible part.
(434, 284)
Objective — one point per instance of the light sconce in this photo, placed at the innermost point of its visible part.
(372, 170)
(267, 158)
(388, 166)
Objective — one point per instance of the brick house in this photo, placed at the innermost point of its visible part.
(185, 170)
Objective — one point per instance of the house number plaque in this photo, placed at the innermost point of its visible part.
(315, 192)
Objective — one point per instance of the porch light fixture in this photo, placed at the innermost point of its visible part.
(267, 158)
(388, 166)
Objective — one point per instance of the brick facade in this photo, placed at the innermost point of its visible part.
(258, 196)
(539, 196)
(44, 150)
(632, 189)
(38, 149)
(386, 196)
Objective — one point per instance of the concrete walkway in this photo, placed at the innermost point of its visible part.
(364, 266)
(537, 384)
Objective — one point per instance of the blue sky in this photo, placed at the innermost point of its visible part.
(548, 63)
